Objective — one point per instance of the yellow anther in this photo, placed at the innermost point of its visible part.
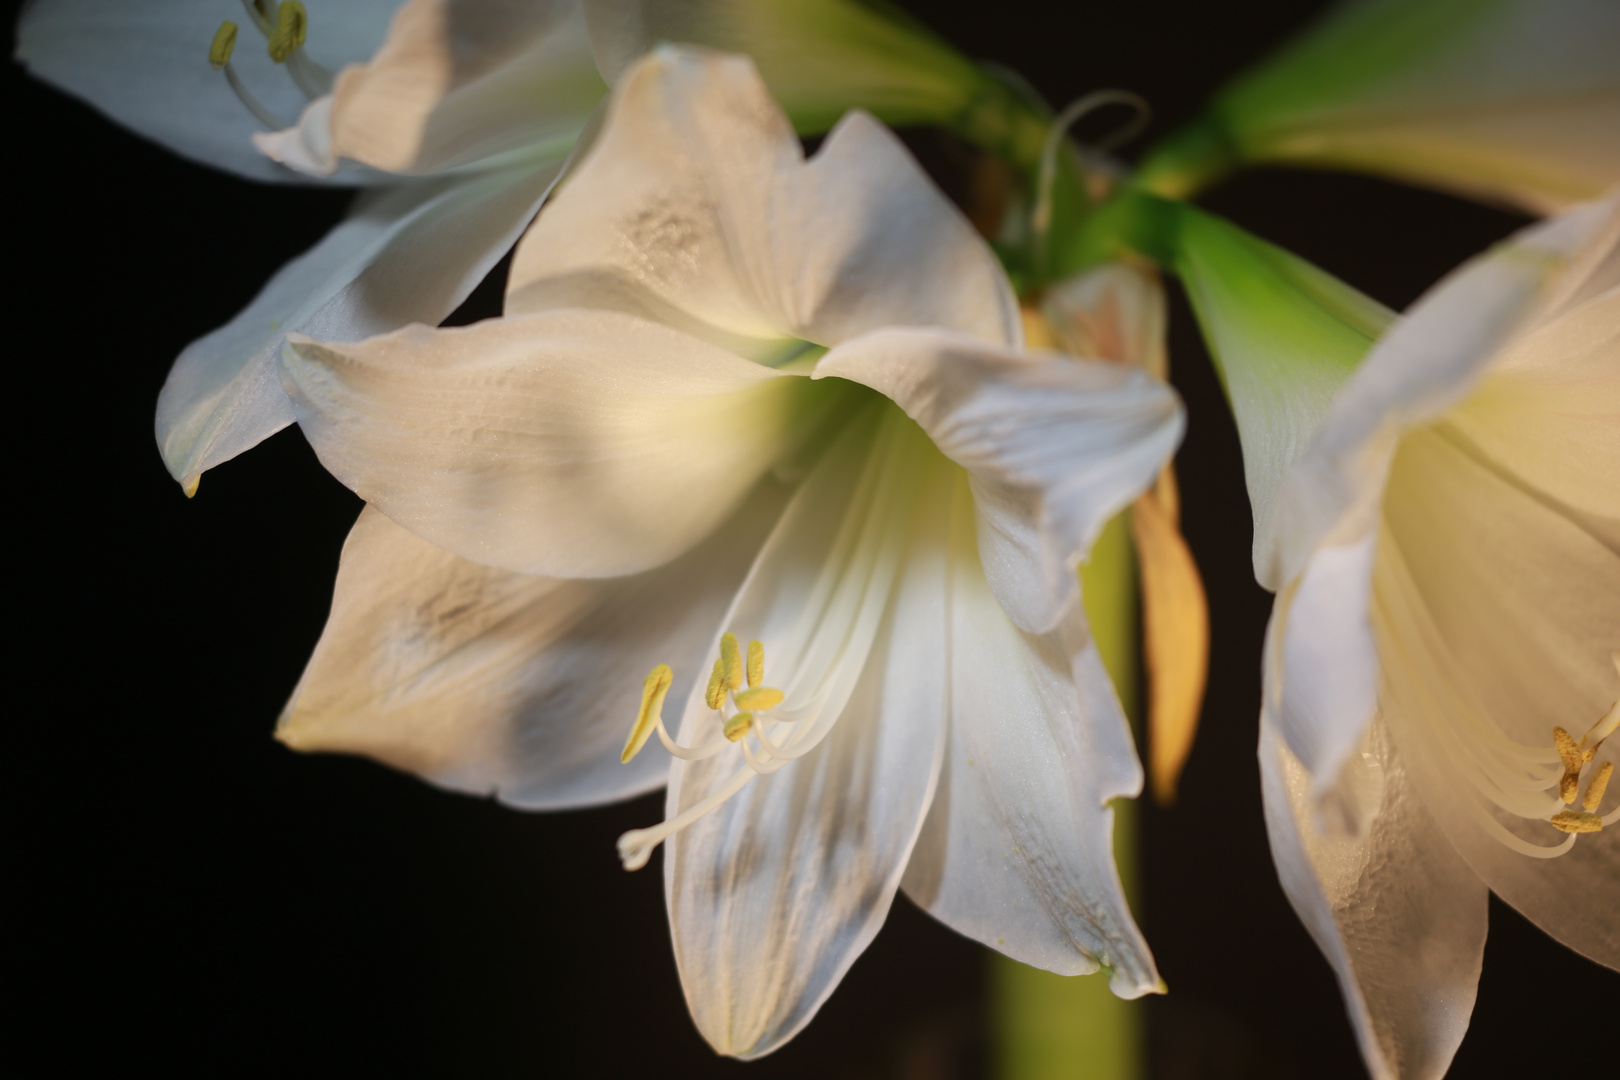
(762, 697)
(715, 695)
(732, 660)
(1576, 821)
(219, 53)
(1570, 755)
(652, 707)
(292, 24)
(1595, 789)
(738, 725)
(756, 663)
(1568, 752)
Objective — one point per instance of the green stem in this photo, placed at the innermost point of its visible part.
(1189, 160)
(1050, 1027)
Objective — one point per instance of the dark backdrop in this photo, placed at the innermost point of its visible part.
(196, 897)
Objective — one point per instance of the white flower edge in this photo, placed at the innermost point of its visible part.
(406, 254)
(145, 66)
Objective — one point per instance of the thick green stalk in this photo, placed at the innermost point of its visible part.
(1052, 1027)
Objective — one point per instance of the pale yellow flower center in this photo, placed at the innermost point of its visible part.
(745, 718)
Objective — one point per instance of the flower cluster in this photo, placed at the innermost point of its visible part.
(742, 394)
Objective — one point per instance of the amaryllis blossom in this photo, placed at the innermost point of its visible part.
(1513, 101)
(459, 122)
(458, 115)
(763, 427)
(1440, 669)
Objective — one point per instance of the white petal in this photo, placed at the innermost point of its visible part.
(1420, 369)
(1397, 912)
(492, 682)
(569, 443)
(1055, 446)
(696, 208)
(774, 894)
(460, 83)
(1549, 407)
(146, 67)
(1324, 692)
(1516, 100)
(404, 254)
(1017, 851)
(1496, 615)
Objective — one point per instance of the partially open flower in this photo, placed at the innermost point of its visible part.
(1439, 670)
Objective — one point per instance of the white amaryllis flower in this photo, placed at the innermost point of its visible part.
(459, 118)
(462, 118)
(1438, 676)
(1509, 100)
(741, 393)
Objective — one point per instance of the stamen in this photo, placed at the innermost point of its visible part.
(652, 708)
(292, 27)
(219, 53)
(715, 695)
(732, 661)
(1570, 755)
(1597, 786)
(1576, 821)
(748, 711)
(764, 697)
(756, 663)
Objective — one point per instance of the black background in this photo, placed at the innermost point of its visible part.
(194, 897)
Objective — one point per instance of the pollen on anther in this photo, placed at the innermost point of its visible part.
(1597, 786)
(739, 725)
(219, 53)
(715, 695)
(1576, 821)
(1570, 754)
(732, 659)
(756, 663)
(292, 26)
(653, 691)
(759, 698)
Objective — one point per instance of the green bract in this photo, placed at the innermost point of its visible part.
(1510, 100)
(1284, 334)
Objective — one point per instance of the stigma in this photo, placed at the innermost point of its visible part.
(749, 728)
(285, 26)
